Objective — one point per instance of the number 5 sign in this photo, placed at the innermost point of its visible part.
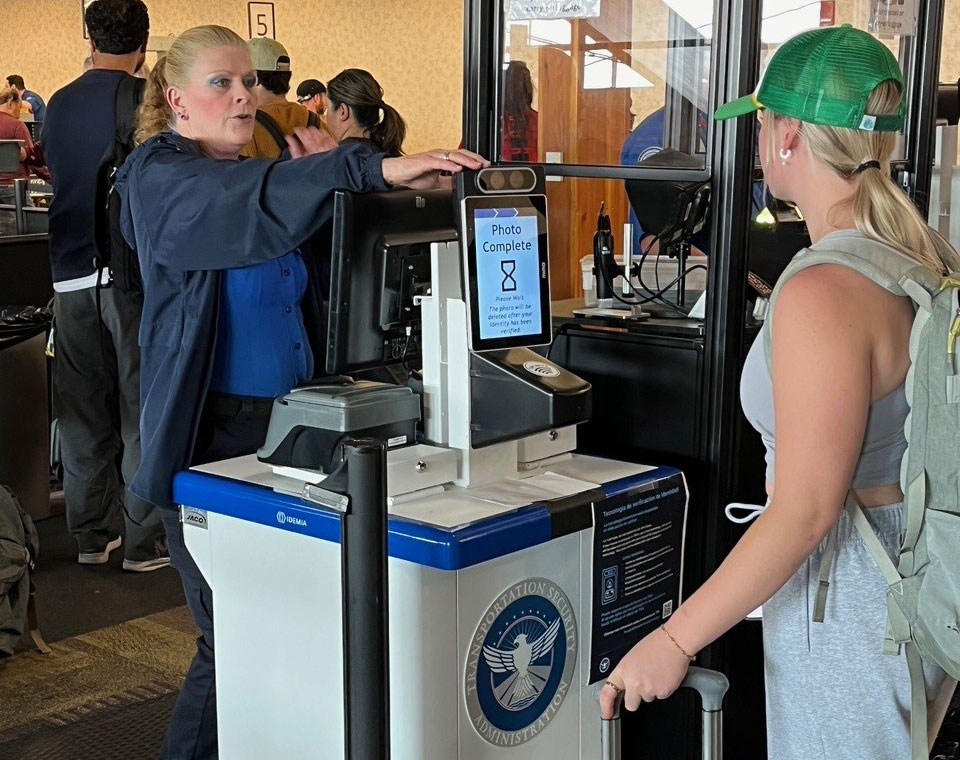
(262, 20)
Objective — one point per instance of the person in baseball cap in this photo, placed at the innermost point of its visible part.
(826, 77)
(825, 387)
(277, 117)
(312, 95)
(269, 55)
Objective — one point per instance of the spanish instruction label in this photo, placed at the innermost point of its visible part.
(508, 273)
(637, 567)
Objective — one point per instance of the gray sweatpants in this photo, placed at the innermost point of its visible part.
(97, 373)
(832, 693)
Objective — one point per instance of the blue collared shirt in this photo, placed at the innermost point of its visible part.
(262, 347)
(191, 218)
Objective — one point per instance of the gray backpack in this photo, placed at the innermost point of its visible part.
(19, 546)
(923, 587)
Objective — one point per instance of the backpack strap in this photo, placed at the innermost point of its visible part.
(878, 262)
(127, 101)
(313, 120)
(898, 629)
(33, 622)
(823, 575)
(266, 121)
(129, 97)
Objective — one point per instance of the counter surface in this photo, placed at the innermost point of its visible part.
(448, 531)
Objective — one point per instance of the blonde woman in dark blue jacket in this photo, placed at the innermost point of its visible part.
(222, 331)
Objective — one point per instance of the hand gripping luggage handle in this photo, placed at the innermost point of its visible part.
(712, 687)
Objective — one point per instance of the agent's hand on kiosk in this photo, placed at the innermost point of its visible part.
(424, 171)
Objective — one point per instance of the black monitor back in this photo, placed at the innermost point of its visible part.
(25, 276)
(369, 231)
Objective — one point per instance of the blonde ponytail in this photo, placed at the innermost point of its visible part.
(154, 115)
(173, 70)
(880, 209)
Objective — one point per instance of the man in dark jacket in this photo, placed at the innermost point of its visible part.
(97, 371)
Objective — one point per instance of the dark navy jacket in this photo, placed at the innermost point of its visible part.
(189, 217)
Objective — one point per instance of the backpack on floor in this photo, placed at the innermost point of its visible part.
(19, 547)
(923, 587)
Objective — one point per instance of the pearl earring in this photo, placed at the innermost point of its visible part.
(785, 156)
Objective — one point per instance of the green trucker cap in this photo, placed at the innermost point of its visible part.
(826, 76)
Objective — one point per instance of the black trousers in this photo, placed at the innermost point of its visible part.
(229, 427)
(97, 373)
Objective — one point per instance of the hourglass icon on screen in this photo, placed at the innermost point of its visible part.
(508, 267)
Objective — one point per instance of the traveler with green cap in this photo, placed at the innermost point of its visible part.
(825, 389)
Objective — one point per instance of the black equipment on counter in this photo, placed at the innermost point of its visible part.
(674, 211)
(605, 268)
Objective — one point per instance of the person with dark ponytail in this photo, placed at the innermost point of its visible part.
(358, 112)
(518, 140)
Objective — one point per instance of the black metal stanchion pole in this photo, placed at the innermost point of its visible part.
(363, 542)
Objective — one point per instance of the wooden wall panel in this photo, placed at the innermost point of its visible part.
(556, 72)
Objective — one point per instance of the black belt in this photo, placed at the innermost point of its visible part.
(225, 405)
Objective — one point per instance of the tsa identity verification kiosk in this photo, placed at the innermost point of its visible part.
(519, 572)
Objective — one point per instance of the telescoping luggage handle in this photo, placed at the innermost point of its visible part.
(712, 687)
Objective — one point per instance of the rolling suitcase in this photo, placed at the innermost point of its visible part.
(711, 686)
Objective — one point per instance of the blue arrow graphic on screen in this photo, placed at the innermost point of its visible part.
(507, 212)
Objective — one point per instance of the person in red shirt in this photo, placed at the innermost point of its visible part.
(11, 128)
(518, 138)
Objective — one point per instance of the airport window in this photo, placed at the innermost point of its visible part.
(944, 207)
(612, 82)
(609, 85)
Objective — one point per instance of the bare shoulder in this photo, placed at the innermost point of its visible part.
(821, 294)
(832, 312)
(831, 291)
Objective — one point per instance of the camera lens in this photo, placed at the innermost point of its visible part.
(517, 180)
(496, 180)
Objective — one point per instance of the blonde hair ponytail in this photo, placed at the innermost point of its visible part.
(880, 209)
(154, 115)
(173, 70)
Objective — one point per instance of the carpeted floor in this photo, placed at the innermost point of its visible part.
(104, 695)
(107, 690)
(74, 599)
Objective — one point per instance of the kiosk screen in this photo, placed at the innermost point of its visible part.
(507, 272)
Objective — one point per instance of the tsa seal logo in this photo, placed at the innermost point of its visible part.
(521, 662)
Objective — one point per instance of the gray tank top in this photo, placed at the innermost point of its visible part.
(883, 441)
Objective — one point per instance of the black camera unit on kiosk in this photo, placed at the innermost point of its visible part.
(673, 211)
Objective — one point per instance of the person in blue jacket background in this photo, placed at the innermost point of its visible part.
(225, 289)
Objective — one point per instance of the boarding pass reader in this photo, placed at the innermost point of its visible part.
(458, 283)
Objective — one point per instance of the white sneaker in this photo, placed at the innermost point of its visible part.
(159, 558)
(99, 558)
(146, 565)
